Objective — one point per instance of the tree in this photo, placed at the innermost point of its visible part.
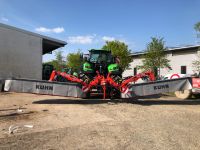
(59, 64)
(196, 63)
(74, 61)
(119, 49)
(197, 26)
(154, 57)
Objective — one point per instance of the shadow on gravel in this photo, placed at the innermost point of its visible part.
(166, 102)
(71, 101)
(138, 101)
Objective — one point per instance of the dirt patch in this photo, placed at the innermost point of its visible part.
(15, 116)
(67, 123)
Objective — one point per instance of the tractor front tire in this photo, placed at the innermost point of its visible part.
(183, 94)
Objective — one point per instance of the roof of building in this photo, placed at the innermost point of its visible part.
(49, 44)
(187, 47)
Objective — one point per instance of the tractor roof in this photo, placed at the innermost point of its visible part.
(102, 50)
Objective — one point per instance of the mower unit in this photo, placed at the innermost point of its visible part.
(101, 74)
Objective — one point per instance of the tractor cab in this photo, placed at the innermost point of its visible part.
(99, 60)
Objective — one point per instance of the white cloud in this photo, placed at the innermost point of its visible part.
(111, 38)
(48, 30)
(93, 39)
(88, 39)
(108, 38)
(4, 19)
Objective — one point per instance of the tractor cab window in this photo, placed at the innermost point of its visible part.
(100, 57)
(94, 57)
(109, 58)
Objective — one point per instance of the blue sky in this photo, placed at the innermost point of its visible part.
(86, 24)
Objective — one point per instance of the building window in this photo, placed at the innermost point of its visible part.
(134, 71)
(183, 69)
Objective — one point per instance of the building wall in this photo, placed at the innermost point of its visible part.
(20, 55)
(130, 71)
(177, 59)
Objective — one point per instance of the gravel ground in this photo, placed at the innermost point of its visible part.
(68, 123)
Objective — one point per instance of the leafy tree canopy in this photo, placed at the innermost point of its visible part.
(196, 64)
(154, 56)
(59, 64)
(197, 26)
(119, 49)
(74, 61)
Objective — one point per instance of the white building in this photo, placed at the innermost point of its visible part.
(181, 59)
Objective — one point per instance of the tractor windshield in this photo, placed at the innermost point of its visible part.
(100, 57)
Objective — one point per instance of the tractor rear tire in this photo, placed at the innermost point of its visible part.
(87, 95)
(183, 94)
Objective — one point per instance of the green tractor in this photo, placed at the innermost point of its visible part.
(104, 62)
(98, 68)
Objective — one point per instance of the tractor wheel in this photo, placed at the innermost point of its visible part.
(87, 95)
(183, 94)
(114, 94)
